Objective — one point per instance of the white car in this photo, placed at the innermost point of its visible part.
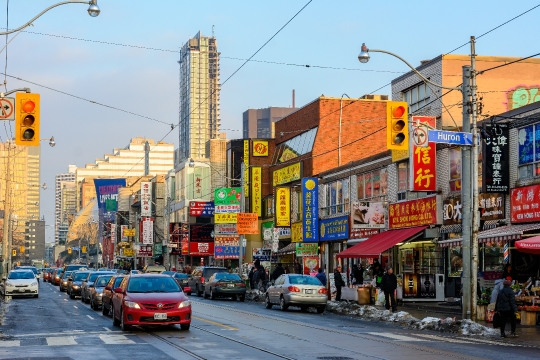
(21, 283)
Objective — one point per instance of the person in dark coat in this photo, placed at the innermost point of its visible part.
(297, 267)
(358, 273)
(507, 272)
(389, 285)
(377, 273)
(338, 282)
(278, 271)
(506, 307)
(250, 277)
(321, 276)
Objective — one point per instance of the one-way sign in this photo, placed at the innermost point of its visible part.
(450, 137)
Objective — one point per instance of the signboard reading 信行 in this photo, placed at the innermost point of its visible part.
(525, 204)
(423, 158)
(414, 213)
(247, 223)
(260, 147)
(287, 174)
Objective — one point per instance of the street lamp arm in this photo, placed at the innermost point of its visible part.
(416, 71)
(26, 90)
(92, 2)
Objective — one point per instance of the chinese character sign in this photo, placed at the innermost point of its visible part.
(228, 197)
(201, 208)
(260, 147)
(247, 223)
(256, 190)
(246, 168)
(225, 218)
(310, 209)
(147, 231)
(146, 199)
(525, 204)
(287, 174)
(123, 236)
(283, 206)
(227, 247)
(492, 206)
(296, 232)
(414, 213)
(423, 172)
(113, 233)
(452, 211)
(334, 228)
(495, 164)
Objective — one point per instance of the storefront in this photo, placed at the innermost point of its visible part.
(333, 234)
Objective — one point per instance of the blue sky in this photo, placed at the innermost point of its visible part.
(326, 33)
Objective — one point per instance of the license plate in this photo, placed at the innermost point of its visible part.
(309, 291)
(230, 285)
(160, 316)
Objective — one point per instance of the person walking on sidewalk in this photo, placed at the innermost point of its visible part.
(297, 267)
(389, 286)
(321, 276)
(506, 306)
(338, 282)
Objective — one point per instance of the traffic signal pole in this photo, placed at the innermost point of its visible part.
(7, 217)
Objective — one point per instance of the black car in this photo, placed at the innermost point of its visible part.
(74, 288)
(199, 277)
(97, 288)
(88, 282)
(225, 285)
(108, 293)
(64, 280)
(181, 279)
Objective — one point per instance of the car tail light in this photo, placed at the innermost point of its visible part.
(202, 279)
(323, 291)
(293, 289)
(241, 285)
(219, 284)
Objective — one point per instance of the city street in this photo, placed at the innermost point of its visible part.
(55, 327)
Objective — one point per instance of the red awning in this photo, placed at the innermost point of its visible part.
(379, 243)
(531, 245)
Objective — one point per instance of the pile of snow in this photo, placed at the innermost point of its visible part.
(255, 295)
(403, 318)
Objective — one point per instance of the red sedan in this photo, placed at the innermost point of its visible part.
(150, 299)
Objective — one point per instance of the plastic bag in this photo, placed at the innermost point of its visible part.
(381, 298)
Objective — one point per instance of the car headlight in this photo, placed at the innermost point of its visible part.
(34, 283)
(99, 294)
(184, 304)
(9, 283)
(132, 304)
(75, 287)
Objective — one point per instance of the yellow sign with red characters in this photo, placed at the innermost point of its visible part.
(256, 190)
(260, 147)
(225, 218)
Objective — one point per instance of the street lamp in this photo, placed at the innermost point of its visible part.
(93, 11)
(469, 190)
(52, 143)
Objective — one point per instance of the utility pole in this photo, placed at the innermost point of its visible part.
(7, 217)
(166, 258)
(466, 199)
(475, 222)
(242, 209)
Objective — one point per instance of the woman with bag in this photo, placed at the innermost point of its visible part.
(506, 308)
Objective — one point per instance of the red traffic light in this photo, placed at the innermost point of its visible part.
(29, 106)
(399, 111)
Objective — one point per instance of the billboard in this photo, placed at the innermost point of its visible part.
(368, 215)
(227, 196)
(146, 199)
(310, 209)
(334, 229)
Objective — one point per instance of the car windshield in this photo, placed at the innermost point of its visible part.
(15, 275)
(149, 284)
(59, 272)
(210, 272)
(227, 276)
(167, 272)
(117, 281)
(33, 269)
(80, 276)
(181, 276)
(67, 274)
(304, 280)
(102, 281)
(93, 277)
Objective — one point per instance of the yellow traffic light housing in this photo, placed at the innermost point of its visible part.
(21, 249)
(84, 249)
(14, 252)
(397, 125)
(27, 109)
(69, 250)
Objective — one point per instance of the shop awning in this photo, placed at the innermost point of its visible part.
(289, 249)
(381, 242)
(499, 234)
(530, 245)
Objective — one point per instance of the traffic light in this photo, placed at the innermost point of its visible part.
(14, 252)
(397, 125)
(21, 249)
(69, 250)
(84, 249)
(27, 119)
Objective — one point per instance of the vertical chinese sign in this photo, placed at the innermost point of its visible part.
(256, 190)
(310, 209)
(147, 231)
(246, 168)
(283, 206)
(184, 238)
(146, 199)
(423, 173)
(495, 155)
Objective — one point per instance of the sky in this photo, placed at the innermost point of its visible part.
(70, 73)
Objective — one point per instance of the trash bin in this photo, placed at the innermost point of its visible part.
(364, 296)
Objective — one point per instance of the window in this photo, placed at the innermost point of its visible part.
(403, 180)
(417, 97)
(297, 146)
(373, 185)
(529, 151)
(337, 197)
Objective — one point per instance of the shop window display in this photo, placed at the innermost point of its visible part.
(493, 256)
(455, 261)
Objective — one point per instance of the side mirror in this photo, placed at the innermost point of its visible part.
(108, 288)
(119, 290)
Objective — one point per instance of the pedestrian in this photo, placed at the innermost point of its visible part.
(506, 307)
(389, 286)
(338, 282)
(297, 267)
(229, 269)
(377, 274)
(321, 276)
(358, 273)
(250, 277)
(278, 271)
(507, 272)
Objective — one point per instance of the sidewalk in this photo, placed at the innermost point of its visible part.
(529, 335)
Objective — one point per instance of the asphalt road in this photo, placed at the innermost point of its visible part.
(55, 327)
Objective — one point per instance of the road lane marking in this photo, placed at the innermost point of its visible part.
(91, 318)
(107, 329)
(75, 307)
(65, 300)
(61, 341)
(77, 332)
(10, 343)
(396, 336)
(215, 323)
(116, 339)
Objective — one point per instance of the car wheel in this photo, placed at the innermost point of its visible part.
(242, 298)
(123, 325)
(71, 296)
(303, 308)
(115, 322)
(212, 295)
(205, 295)
(36, 296)
(197, 291)
(267, 302)
(92, 306)
(184, 326)
(282, 304)
(321, 309)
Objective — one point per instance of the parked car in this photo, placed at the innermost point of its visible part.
(154, 269)
(64, 280)
(297, 290)
(108, 292)
(150, 300)
(170, 273)
(74, 288)
(200, 275)
(134, 272)
(89, 281)
(97, 288)
(21, 282)
(223, 284)
(182, 280)
(55, 277)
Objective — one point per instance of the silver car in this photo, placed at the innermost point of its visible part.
(302, 291)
